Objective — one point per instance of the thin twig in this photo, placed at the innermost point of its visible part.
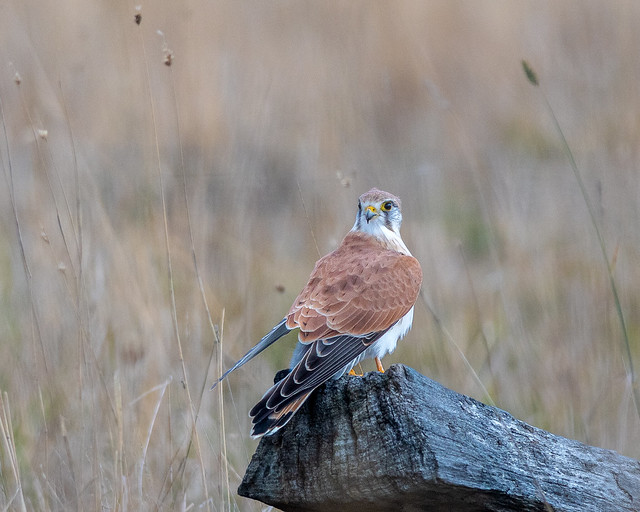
(306, 214)
(174, 311)
(42, 135)
(25, 264)
(162, 388)
(533, 79)
(453, 343)
(9, 444)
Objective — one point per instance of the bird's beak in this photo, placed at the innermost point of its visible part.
(370, 212)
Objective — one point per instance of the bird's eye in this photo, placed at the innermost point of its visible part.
(387, 206)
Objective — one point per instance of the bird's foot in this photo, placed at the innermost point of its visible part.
(353, 372)
(379, 365)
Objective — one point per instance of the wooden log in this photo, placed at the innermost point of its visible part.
(399, 441)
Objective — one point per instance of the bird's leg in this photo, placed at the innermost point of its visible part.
(379, 365)
(352, 371)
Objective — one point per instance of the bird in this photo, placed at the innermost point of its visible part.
(357, 304)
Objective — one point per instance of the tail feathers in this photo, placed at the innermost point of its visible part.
(267, 421)
(323, 360)
(276, 333)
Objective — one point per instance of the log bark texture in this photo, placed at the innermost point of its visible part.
(399, 441)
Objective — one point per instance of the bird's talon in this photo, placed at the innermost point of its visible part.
(353, 372)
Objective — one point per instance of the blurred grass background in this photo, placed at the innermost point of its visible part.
(272, 119)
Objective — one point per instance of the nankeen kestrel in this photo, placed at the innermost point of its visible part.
(357, 304)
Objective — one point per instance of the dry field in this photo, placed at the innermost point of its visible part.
(157, 220)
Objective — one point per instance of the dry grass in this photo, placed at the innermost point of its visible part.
(268, 111)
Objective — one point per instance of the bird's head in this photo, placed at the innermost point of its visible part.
(379, 215)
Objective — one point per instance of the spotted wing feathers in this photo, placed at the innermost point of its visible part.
(359, 288)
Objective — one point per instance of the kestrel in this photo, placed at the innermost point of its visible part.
(357, 304)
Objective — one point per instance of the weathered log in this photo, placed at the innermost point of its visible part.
(399, 441)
